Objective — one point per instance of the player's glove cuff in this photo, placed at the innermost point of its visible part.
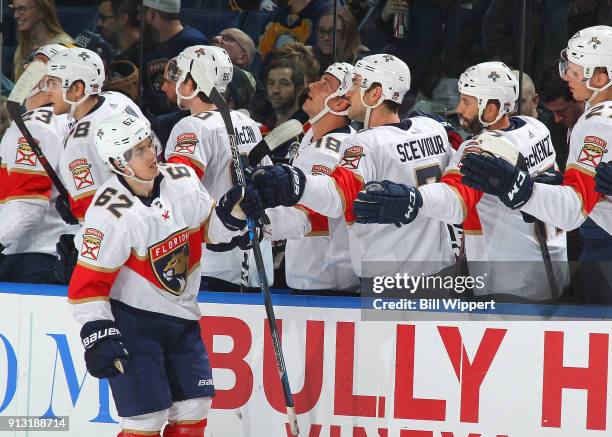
(387, 202)
(279, 185)
(105, 354)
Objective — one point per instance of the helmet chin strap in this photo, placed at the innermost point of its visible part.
(129, 176)
(180, 97)
(326, 109)
(596, 91)
(485, 124)
(72, 104)
(366, 121)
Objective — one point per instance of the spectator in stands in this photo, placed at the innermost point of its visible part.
(432, 28)
(300, 54)
(238, 45)
(163, 27)
(118, 23)
(592, 281)
(529, 97)
(562, 111)
(348, 41)
(545, 33)
(293, 22)
(37, 25)
(241, 50)
(284, 84)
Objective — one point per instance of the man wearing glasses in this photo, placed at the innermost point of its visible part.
(238, 45)
(118, 24)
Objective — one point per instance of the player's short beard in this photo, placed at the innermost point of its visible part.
(474, 126)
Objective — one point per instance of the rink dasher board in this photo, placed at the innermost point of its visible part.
(350, 377)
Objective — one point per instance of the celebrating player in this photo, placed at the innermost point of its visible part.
(317, 243)
(411, 151)
(587, 67)
(75, 79)
(135, 285)
(29, 228)
(200, 141)
(488, 93)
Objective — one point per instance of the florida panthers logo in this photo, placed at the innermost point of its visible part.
(170, 262)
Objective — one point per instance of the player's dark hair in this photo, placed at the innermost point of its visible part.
(203, 97)
(389, 104)
(128, 7)
(551, 86)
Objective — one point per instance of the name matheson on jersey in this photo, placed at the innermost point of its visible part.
(421, 148)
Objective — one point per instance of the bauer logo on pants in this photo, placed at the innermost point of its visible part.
(170, 261)
(81, 173)
(92, 241)
(593, 151)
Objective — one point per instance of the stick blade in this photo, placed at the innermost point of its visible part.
(293, 423)
(27, 81)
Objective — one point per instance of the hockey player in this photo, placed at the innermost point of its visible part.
(201, 142)
(488, 93)
(75, 79)
(413, 151)
(29, 226)
(587, 67)
(317, 243)
(135, 285)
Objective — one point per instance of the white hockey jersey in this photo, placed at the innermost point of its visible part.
(144, 252)
(317, 255)
(567, 206)
(29, 221)
(82, 169)
(414, 152)
(506, 236)
(201, 142)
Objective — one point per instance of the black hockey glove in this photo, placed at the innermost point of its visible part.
(387, 202)
(62, 205)
(549, 177)
(603, 179)
(105, 354)
(496, 176)
(236, 204)
(279, 185)
(68, 256)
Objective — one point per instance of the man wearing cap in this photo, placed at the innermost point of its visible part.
(163, 26)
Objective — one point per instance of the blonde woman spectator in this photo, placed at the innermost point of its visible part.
(348, 41)
(37, 25)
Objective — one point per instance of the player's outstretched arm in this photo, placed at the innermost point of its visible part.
(387, 202)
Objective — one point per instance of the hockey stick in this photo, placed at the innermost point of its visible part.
(30, 77)
(209, 89)
(540, 231)
(277, 137)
